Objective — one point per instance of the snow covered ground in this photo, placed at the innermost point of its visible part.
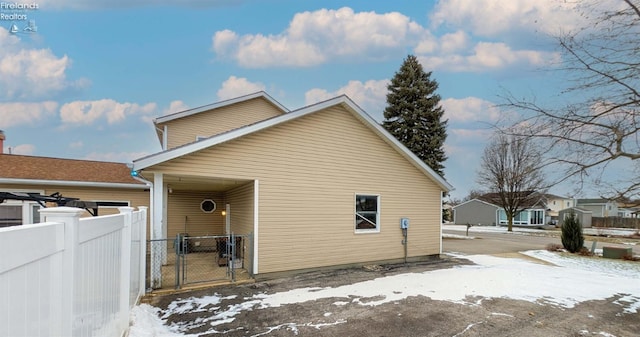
(490, 277)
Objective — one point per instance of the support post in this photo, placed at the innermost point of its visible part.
(143, 251)
(70, 216)
(156, 231)
(125, 268)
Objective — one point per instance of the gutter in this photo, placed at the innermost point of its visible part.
(71, 183)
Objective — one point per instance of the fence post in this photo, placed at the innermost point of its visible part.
(70, 216)
(143, 250)
(125, 267)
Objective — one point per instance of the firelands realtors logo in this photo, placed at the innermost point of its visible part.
(18, 16)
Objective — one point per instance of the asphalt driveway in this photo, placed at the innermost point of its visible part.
(239, 310)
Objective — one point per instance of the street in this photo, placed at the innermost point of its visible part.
(505, 242)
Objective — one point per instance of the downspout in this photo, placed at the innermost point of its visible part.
(441, 205)
(134, 175)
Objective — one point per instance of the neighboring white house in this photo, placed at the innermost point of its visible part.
(601, 208)
(557, 203)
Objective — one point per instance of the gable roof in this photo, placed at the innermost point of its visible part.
(343, 101)
(529, 199)
(476, 200)
(57, 171)
(593, 201)
(190, 112)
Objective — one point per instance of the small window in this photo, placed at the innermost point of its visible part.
(10, 215)
(367, 215)
(208, 206)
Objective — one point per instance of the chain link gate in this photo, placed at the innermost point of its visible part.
(209, 258)
(173, 263)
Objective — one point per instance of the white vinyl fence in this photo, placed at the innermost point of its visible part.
(72, 276)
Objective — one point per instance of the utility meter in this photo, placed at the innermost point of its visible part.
(404, 223)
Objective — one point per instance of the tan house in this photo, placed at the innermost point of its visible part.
(321, 186)
(108, 184)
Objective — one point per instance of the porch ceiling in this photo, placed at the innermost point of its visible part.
(190, 183)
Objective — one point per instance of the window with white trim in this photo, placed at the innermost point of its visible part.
(16, 213)
(367, 214)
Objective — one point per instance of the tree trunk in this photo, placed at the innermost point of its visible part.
(509, 222)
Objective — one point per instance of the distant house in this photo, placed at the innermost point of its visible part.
(601, 208)
(110, 185)
(555, 204)
(628, 210)
(321, 186)
(485, 210)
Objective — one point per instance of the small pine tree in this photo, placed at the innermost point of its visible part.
(572, 238)
(414, 115)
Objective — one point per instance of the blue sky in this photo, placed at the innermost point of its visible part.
(88, 83)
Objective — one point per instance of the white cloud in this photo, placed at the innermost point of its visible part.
(117, 157)
(23, 149)
(470, 109)
(20, 113)
(315, 37)
(370, 95)
(31, 73)
(454, 42)
(490, 56)
(494, 17)
(88, 112)
(175, 106)
(238, 86)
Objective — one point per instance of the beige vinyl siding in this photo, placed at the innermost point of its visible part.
(241, 201)
(185, 130)
(185, 216)
(309, 171)
(135, 197)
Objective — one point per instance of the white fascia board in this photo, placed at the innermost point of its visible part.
(161, 157)
(70, 183)
(181, 114)
(397, 145)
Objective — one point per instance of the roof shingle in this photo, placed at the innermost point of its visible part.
(58, 169)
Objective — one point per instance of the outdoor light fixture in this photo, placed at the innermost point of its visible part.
(223, 213)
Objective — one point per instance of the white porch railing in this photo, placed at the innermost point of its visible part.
(72, 276)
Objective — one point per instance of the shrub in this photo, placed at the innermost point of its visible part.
(554, 247)
(585, 252)
(572, 238)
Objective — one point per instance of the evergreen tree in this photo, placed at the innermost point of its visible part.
(413, 114)
(572, 238)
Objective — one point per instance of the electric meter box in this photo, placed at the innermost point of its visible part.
(404, 223)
